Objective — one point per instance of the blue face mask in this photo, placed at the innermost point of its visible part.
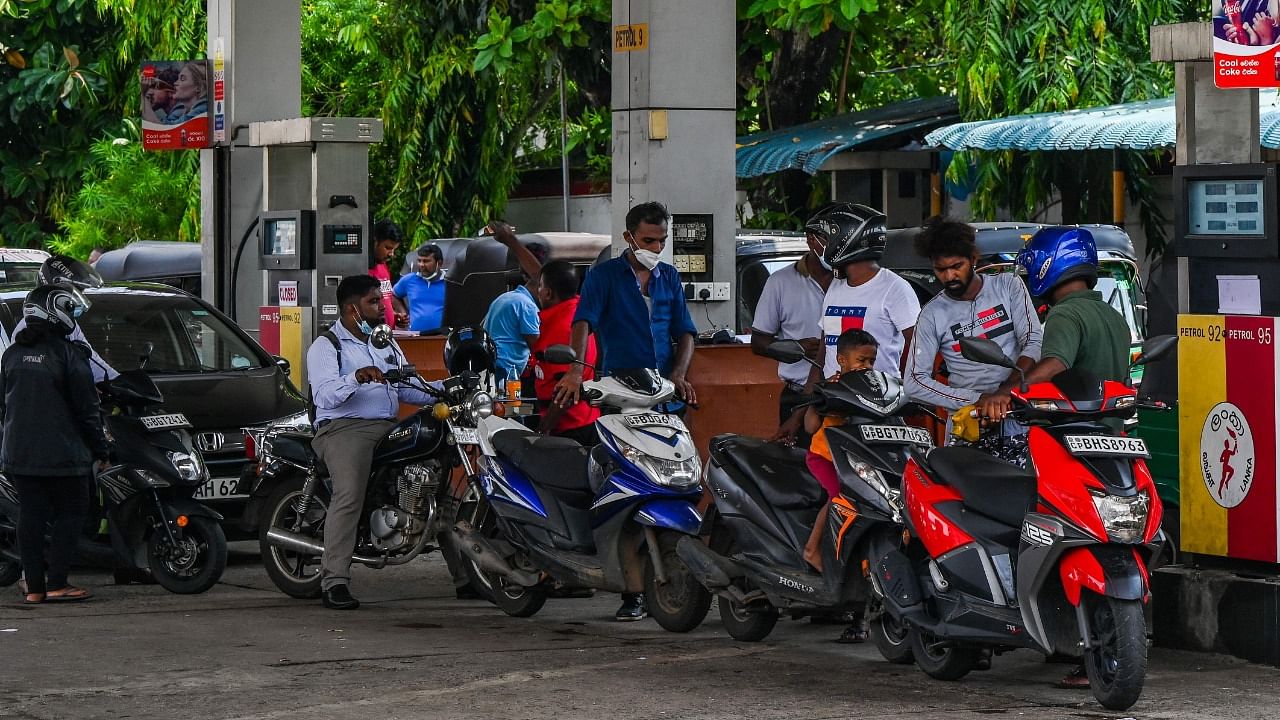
(365, 327)
(77, 311)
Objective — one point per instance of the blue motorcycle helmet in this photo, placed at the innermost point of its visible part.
(1055, 255)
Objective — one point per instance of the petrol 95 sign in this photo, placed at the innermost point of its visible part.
(1246, 45)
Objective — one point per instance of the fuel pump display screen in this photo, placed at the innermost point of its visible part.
(1225, 207)
(281, 237)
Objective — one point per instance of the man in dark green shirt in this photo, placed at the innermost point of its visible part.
(1081, 330)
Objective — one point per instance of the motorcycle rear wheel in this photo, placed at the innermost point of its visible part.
(295, 574)
(681, 603)
(10, 571)
(196, 563)
(514, 600)
(1117, 663)
(747, 623)
(940, 660)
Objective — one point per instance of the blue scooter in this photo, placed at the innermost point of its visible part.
(560, 516)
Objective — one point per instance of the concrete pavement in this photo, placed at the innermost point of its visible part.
(243, 650)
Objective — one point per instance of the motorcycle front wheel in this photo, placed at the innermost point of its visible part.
(681, 603)
(940, 659)
(296, 574)
(1117, 663)
(193, 563)
(890, 636)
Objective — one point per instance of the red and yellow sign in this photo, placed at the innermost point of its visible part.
(1228, 420)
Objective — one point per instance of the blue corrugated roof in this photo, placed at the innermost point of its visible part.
(806, 147)
(1135, 126)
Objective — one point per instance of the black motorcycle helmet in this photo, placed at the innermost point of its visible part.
(469, 349)
(68, 271)
(849, 232)
(58, 306)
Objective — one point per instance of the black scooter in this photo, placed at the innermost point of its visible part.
(766, 500)
(145, 496)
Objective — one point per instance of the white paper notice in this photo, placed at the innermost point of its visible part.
(1239, 295)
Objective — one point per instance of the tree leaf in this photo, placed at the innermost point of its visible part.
(14, 58)
(72, 59)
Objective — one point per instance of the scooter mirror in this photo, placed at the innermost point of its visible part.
(560, 355)
(147, 348)
(1155, 348)
(787, 351)
(381, 337)
(982, 350)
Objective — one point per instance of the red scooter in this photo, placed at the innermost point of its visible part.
(1054, 557)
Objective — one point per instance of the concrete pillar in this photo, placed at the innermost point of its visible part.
(674, 105)
(261, 46)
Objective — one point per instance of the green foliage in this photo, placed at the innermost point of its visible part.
(131, 194)
(1027, 56)
(52, 81)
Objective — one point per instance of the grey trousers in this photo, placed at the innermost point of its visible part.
(346, 447)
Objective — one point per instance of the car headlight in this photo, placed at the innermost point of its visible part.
(190, 467)
(1124, 518)
(676, 474)
(480, 405)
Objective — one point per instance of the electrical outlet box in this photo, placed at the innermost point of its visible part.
(720, 291)
(697, 263)
(681, 262)
(700, 292)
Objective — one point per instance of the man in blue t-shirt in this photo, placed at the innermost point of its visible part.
(635, 306)
(512, 320)
(421, 294)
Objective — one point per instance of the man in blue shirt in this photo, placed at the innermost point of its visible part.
(512, 320)
(423, 292)
(635, 305)
(355, 407)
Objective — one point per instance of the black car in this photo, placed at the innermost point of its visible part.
(206, 366)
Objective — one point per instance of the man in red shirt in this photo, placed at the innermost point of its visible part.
(557, 293)
(386, 238)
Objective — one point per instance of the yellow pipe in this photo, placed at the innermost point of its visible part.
(1117, 197)
(935, 193)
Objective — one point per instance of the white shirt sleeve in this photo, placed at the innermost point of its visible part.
(903, 306)
(768, 317)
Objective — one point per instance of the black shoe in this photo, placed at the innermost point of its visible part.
(633, 608)
(339, 597)
(466, 592)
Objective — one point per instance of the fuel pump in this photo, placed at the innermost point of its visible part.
(313, 229)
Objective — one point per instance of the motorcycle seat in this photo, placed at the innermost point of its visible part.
(990, 486)
(778, 471)
(553, 462)
(296, 448)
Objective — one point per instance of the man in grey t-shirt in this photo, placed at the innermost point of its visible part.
(790, 308)
(996, 307)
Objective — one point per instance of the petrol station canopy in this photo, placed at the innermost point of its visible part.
(1145, 125)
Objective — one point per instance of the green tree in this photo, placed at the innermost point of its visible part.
(1027, 56)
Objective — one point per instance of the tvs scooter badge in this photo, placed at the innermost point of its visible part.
(1227, 460)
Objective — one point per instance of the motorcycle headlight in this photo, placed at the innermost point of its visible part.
(872, 477)
(676, 474)
(1124, 518)
(190, 468)
(480, 405)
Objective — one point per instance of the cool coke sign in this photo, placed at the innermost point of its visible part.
(1246, 46)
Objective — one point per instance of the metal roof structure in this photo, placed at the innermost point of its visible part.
(806, 147)
(1144, 125)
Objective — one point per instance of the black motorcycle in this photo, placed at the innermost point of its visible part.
(766, 502)
(409, 499)
(145, 496)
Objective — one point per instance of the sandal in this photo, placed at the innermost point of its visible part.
(1077, 679)
(33, 598)
(853, 634)
(70, 593)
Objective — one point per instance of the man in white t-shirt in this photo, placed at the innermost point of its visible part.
(864, 295)
(790, 308)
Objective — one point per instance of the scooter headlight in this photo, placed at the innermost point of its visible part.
(875, 479)
(480, 405)
(1124, 518)
(190, 468)
(676, 474)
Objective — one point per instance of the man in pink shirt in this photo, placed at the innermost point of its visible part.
(386, 238)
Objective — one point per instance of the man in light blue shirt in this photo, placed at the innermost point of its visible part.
(512, 320)
(355, 407)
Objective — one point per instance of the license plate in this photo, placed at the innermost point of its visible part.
(1106, 445)
(165, 422)
(219, 489)
(896, 434)
(652, 419)
(466, 436)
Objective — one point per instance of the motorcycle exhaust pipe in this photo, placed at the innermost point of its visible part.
(303, 544)
(483, 554)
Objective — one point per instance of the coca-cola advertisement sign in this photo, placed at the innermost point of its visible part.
(175, 104)
(1246, 43)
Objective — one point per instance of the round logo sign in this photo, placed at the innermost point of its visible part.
(1227, 461)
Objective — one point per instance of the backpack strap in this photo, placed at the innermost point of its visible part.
(337, 351)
